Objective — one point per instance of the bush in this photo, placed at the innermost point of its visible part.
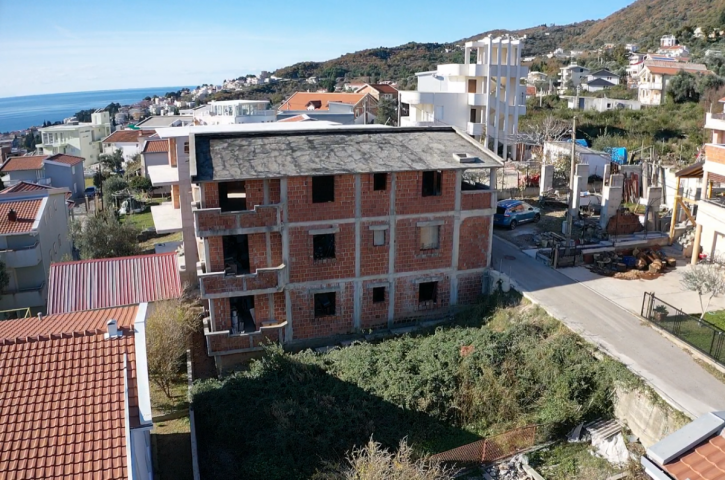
(141, 184)
(166, 340)
(111, 185)
(103, 236)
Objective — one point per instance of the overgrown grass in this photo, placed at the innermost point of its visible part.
(289, 414)
(716, 319)
(161, 404)
(571, 461)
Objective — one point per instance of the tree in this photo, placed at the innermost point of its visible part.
(542, 130)
(112, 161)
(103, 236)
(705, 279)
(387, 112)
(372, 462)
(140, 183)
(113, 184)
(166, 342)
(683, 88)
(98, 179)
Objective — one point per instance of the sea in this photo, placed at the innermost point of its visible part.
(19, 113)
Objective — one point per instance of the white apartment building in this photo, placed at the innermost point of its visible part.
(573, 73)
(655, 76)
(76, 138)
(230, 112)
(482, 96)
(710, 219)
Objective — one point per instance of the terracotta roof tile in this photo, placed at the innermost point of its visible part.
(112, 282)
(26, 210)
(127, 136)
(14, 164)
(383, 88)
(300, 100)
(156, 146)
(67, 159)
(705, 462)
(62, 397)
(25, 187)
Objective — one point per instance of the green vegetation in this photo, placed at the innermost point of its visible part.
(103, 236)
(571, 461)
(171, 441)
(290, 413)
(716, 319)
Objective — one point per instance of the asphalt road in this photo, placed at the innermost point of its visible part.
(665, 366)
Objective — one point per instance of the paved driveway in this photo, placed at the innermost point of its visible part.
(621, 334)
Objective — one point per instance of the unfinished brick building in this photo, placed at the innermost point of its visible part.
(311, 233)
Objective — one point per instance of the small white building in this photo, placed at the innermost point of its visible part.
(81, 139)
(668, 41)
(129, 141)
(484, 96)
(596, 160)
(572, 73)
(655, 75)
(602, 104)
(230, 112)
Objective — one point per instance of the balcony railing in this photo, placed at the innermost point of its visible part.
(213, 222)
(226, 342)
(223, 285)
(22, 257)
(34, 296)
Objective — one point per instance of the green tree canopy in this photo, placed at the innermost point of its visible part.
(683, 87)
(103, 236)
(112, 161)
(139, 183)
(387, 112)
(111, 185)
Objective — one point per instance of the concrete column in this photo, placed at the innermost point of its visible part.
(654, 200)
(696, 245)
(578, 182)
(582, 175)
(456, 239)
(546, 182)
(191, 253)
(391, 251)
(606, 174)
(357, 285)
(611, 199)
(289, 331)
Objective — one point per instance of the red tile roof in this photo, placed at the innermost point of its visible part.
(297, 118)
(706, 462)
(530, 90)
(127, 136)
(156, 146)
(381, 87)
(62, 396)
(14, 164)
(67, 159)
(25, 187)
(112, 282)
(300, 100)
(26, 210)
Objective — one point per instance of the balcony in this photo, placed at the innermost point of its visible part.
(211, 222)
(475, 129)
(223, 285)
(715, 121)
(650, 86)
(24, 297)
(225, 342)
(478, 99)
(417, 98)
(22, 257)
(167, 219)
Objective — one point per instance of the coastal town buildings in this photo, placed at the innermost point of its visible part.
(59, 170)
(360, 108)
(231, 112)
(572, 76)
(33, 234)
(655, 75)
(81, 139)
(129, 141)
(482, 96)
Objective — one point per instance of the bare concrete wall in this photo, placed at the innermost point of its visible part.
(650, 420)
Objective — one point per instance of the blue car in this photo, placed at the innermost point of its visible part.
(90, 192)
(511, 213)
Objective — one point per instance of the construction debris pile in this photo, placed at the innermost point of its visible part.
(646, 264)
(687, 241)
(512, 469)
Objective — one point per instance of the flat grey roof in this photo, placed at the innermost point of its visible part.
(163, 120)
(336, 150)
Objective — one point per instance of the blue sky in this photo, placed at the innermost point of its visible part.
(76, 45)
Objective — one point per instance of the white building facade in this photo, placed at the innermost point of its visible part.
(230, 112)
(78, 139)
(482, 96)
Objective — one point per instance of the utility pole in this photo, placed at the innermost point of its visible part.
(572, 200)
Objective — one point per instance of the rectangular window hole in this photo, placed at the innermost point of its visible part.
(323, 189)
(325, 304)
(323, 246)
(427, 292)
(432, 183)
(429, 238)
(378, 294)
(378, 238)
(380, 181)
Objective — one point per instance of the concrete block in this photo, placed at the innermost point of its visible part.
(582, 170)
(611, 200)
(617, 180)
(607, 173)
(546, 182)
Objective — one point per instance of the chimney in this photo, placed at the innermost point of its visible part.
(113, 331)
(12, 216)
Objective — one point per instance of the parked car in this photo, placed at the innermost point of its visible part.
(511, 213)
(90, 192)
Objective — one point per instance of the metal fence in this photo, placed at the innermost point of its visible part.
(698, 334)
(497, 447)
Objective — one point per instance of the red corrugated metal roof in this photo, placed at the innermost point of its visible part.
(62, 396)
(112, 282)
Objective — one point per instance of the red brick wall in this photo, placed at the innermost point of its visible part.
(305, 325)
(257, 251)
(301, 209)
(210, 198)
(222, 316)
(715, 154)
(406, 298)
(255, 193)
(374, 203)
(274, 191)
(408, 255)
(302, 266)
(373, 260)
(469, 288)
(473, 245)
(261, 308)
(373, 315)
(475, 200)
(409, 198)
(238, 284)
(215, 262)
(275, 239)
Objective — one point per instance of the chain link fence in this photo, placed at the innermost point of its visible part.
(695, 332)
